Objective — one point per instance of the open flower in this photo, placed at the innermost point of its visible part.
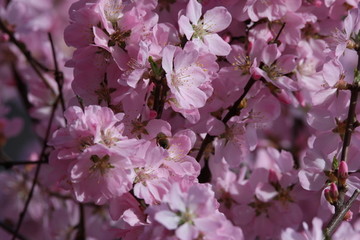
(184, 77)
(214, 20)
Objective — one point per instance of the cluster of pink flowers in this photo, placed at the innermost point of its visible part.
(181, 120)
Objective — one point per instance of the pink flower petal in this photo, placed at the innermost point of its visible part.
(217, 19)
(217, 45)
(167, 218)
(193, 11)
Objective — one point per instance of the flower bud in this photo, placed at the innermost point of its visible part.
(256, 76)
(273, 177)
(334, 192)
(348, 216)
(283, 96)
(343, 172)
(327, 196)
(317, 3)
(4, 37)
(152, 114)
(226, 37)
(300, 97)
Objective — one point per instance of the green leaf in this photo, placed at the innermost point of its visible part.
(356, 76)
(335, 164)
(154, 67)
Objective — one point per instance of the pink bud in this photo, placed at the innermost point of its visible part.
(250, 45)
(343, 170)
(152, 114)
(256, 76)
(283, 96)
(226, 37)
(317, 3)
(4, 37)
(348, 216)
(273, 177)
(299, 96)
(334, 192)
(327, 196)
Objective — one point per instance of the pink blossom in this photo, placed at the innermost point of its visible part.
(184, 77)
(188, 216)
(204, 31)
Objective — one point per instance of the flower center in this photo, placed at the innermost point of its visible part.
(180, 79)
(260, 207)
(108, 139)
(243, 64)
(185, 217)
(199, 30)
(272, 71)
(100, 164)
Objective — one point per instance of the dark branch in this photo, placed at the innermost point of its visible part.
(36, 65)
(37, 171)
(81, 234)
(59, 76)
(11, 231)
(338, 218)
(9, 164)
(276, 39)
(205, 174)
(350, 121)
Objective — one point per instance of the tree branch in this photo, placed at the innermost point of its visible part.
(36, 65)
(37, 171)
(350, 121)
(341, 208)
(9, 164)
(338, 217)
(81, 233)
(205, 174)
(59, 76)
(11, 231)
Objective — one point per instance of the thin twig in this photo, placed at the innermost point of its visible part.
(81, 235)
(21, 86)
(276, 39)
(9, 164)
(22, 47)
(7, 3)
(59, 76)
(341, 208)
(205, 174)
(157, 99)
(234, 110)
(350, 121)
(37, 171)
(11, 231)
(163, 92)
(338, 218)
(36, 65)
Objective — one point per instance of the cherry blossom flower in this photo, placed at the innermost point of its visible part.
(204, 30)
